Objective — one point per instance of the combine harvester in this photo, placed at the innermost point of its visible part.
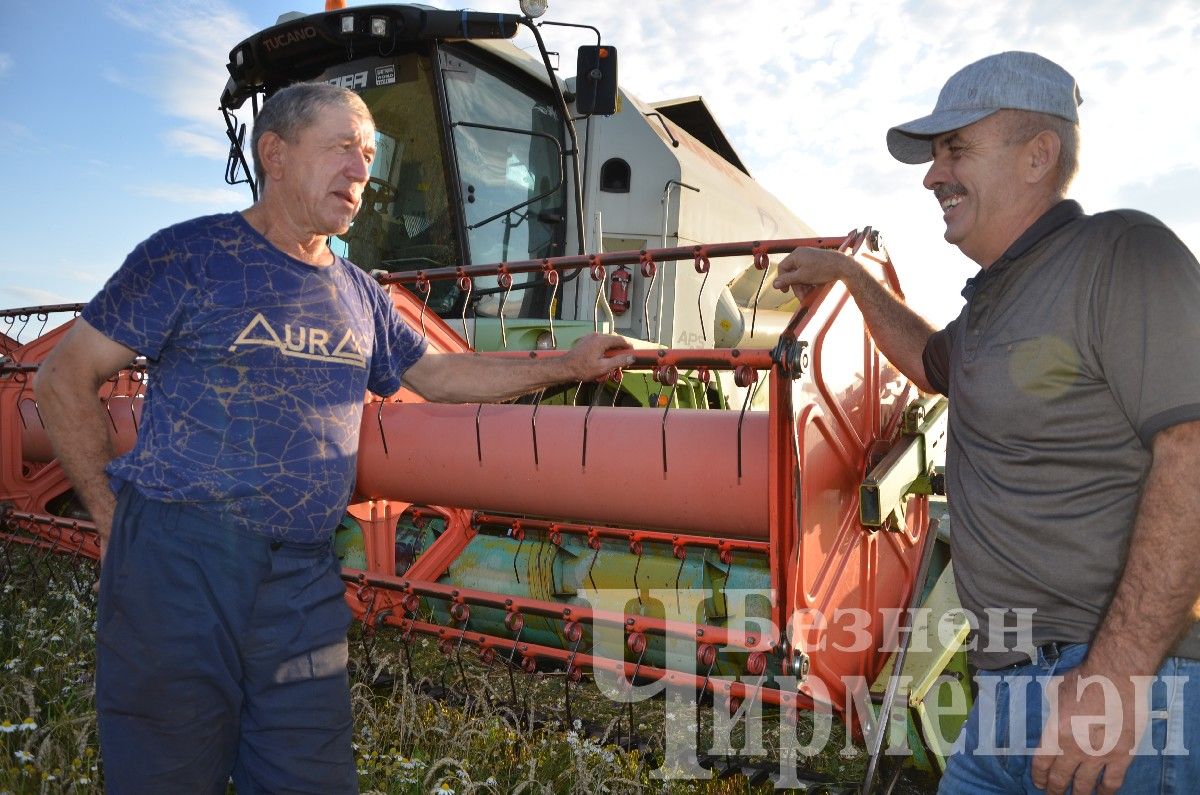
(681, 525)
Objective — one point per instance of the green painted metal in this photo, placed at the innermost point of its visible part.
(906, 468)
(348, 544)
(935, 682)
(573, 574)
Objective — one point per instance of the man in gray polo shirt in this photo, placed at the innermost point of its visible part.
(1073, 374)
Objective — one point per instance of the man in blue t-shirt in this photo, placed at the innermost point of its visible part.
(221, 634)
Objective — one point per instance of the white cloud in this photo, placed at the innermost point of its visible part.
(216, 198)
(806, 92)
(187, 69)
(16, 138)
(6, 62)
(199, 144)
(12, 129)
(14, 296)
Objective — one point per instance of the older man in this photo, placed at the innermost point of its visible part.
(221, 642)
(1073, 374)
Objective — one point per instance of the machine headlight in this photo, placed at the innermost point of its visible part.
(534, 8)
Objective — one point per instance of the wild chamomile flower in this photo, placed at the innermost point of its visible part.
(7, 727)
(23, 757)
(28, 725)
(444, 789)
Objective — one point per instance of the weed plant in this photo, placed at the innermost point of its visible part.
(424, 722)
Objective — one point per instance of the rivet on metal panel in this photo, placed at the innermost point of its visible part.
(800, 665)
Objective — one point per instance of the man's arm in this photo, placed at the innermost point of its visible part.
(471, 378)
(67, 386)
(898, 331)
(1154, 604)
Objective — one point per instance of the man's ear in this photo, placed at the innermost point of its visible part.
(1041, 153)
(272, 154)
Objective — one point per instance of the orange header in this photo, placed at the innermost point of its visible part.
(335, 5)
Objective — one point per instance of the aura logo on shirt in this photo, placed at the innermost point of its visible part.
(305, 342)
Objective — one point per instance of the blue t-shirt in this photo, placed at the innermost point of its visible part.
(259, 364)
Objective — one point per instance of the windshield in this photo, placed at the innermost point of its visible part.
(508, 144)
(406, 221)
(507, 140)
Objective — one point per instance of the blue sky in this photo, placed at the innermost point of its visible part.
(109, 126)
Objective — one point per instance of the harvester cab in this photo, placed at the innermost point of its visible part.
(486, 156)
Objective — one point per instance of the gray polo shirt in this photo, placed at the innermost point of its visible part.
(1073, 350)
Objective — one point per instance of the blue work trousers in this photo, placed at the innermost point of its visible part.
(994, 753)
(219, 653)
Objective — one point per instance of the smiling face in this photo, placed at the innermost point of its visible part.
(324, 170)
(982, 182)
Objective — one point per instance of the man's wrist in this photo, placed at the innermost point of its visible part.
(1119, 660)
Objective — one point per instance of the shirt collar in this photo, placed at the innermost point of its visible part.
(1050, 222)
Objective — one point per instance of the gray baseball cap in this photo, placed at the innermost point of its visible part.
(1016, 80)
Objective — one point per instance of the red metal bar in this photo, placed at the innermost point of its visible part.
(25, 312)
(679, 357)
(45, 531)
(629, 670)
(575, 262)
(719, 636)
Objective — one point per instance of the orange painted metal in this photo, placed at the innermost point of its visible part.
(467, 456)
(796, 501)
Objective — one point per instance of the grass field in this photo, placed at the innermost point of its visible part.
(424, 722)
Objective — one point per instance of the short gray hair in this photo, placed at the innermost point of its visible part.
(1024, 125)
(292, 109)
